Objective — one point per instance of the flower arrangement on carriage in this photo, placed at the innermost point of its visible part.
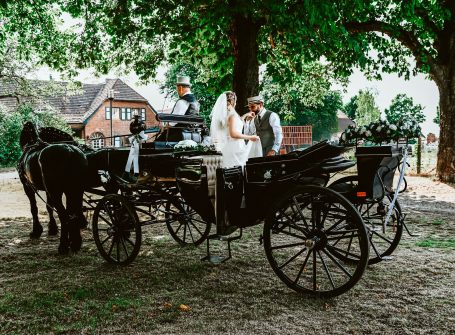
(381, 132)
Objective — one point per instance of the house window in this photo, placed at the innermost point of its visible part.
(97, 140)
(108, 113)
(117, 141)
(125, 113)
(143, 115)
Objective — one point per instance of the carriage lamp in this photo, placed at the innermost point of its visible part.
(110, 96)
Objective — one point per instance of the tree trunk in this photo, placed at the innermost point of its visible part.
(243, 35)
(446, 154)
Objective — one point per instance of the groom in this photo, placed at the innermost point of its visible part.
(265, 124)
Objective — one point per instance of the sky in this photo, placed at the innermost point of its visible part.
(422, 90)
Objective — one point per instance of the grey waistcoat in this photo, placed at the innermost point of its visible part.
(265, 132)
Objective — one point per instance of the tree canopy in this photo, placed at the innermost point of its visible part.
(403, 107)
(367, 110)
(234, 37)
(11, 126)
(350, 108)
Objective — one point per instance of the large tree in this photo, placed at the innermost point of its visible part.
(233, 37)
(387, 36)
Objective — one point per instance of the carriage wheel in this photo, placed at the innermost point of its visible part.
(116, 229)
(383, 239)
(185, 225)
(303, 234)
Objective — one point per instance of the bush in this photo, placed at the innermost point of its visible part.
(11, 127)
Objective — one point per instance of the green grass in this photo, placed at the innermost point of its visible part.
(43, 293)
(432, 243)
(437, 221)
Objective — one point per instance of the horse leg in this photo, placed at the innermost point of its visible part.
(64, 245)
(77, 219)
(52, 226)
(37, 227)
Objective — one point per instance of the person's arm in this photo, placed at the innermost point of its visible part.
(235, 134)
(274, 121)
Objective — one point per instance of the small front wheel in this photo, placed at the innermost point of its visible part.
(116, 229)
(185, 225)
(304, 235)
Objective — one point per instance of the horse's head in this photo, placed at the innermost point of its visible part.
(29, 134)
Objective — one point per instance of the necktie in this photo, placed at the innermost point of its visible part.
(259, 118)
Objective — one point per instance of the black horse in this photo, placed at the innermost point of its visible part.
(56, 169)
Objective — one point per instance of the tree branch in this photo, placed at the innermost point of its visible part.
(407, 38)
(423, 14)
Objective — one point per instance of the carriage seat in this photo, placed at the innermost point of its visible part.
(212, 162)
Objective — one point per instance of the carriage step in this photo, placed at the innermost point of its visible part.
(406, 227)
(215, 259)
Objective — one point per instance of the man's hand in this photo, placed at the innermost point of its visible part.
(248, 116)
(271, 153)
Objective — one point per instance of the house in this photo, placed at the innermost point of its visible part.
(343, 121)
(88, 110)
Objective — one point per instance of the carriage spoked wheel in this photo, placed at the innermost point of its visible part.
(185, 225)
(384, 239)
(116, 229)
(304, 234)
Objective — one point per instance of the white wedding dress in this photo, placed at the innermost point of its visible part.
(235, 151)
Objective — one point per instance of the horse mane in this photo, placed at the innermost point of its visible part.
(54, 135)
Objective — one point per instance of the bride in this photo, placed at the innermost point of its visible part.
(226, 132)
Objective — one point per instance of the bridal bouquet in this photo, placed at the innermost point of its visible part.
(381, 131)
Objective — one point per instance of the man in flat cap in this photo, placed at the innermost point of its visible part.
(265, 124)
(185, 105)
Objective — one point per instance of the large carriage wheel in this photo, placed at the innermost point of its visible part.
(303, 235)
(116, 229)
(383, 239)
(185, 225)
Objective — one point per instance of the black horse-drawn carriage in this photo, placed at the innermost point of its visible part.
(316, 237)
(316, 233)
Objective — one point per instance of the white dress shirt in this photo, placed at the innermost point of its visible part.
(274, 121)
(180, 108)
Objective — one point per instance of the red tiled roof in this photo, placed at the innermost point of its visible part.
(75, 107)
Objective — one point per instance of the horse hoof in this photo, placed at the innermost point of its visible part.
(76, 245)
(36, 234)
(63, 250)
